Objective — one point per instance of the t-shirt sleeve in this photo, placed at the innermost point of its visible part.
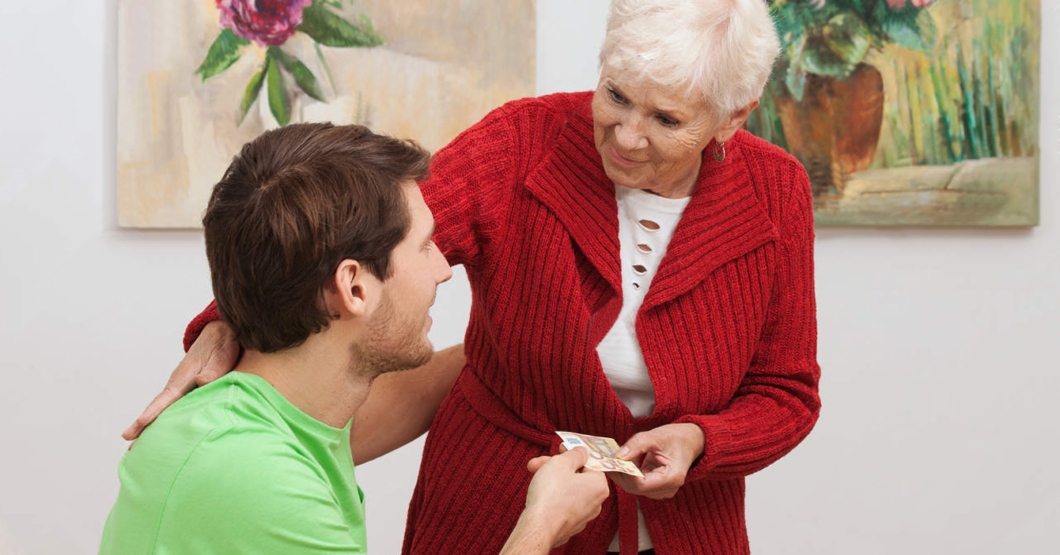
(257, 497)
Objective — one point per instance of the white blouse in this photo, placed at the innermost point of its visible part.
(646, 224)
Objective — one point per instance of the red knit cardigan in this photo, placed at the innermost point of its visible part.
(728, 330)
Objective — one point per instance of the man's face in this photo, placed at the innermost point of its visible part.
(397, 329)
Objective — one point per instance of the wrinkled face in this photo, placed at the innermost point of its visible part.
(650, 137)
(397, 329)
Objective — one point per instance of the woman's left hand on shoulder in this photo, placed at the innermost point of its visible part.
(664, 455)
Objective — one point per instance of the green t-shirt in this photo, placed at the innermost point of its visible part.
(231, 468)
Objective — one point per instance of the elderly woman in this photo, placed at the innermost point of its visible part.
(641, 268)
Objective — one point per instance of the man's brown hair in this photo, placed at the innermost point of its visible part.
(294, 203)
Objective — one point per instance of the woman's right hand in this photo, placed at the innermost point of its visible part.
(213, 355)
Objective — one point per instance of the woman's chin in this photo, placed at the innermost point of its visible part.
(621, 178)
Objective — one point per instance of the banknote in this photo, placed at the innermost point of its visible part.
(601, 453)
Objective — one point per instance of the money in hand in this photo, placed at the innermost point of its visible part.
(601, 453)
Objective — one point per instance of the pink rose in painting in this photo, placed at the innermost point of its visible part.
(266, 22)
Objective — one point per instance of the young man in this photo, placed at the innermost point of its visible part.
(320, 252)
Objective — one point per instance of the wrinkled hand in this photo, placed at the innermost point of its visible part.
(212, 355)
(563, 497)
(664, 455)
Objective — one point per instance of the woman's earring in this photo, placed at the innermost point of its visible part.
(719, 151)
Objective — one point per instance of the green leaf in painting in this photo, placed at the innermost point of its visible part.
(904, 27)
(302, 76)
(848, 37)
(251, 93)
(903, 34)
(222, 54)
(795, 79)
(928, 31)
(794, 73)
(819, 59)
(279, 104)
(329, 29)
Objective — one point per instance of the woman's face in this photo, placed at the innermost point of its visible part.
(651, 137)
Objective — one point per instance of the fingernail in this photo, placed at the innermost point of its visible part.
(621, 453)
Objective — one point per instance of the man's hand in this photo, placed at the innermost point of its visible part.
(213, 355)
(664, 455)
(561, 500)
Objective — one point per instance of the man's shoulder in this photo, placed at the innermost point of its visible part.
(220, 437)
(256, 484)
(239, 492)
(228, 413)
(240, 466)
(226, 470)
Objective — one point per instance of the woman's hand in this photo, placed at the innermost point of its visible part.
(664, 455)
(213, 355)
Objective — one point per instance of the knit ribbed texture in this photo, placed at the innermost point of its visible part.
(191, 333)
(728, 329)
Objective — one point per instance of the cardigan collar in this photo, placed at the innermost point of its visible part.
(571, 182)
(723, 221)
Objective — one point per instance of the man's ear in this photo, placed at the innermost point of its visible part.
(353, 287)
(735, 122)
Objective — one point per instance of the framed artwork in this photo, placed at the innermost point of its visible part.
(199, 78)
(910, 112)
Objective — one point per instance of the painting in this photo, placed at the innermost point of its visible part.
(909, 112)
(199, 78)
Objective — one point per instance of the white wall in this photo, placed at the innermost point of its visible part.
(939, 432)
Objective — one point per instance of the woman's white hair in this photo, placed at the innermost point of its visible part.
(724, 49)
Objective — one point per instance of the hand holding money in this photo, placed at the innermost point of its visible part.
(601, 453)
(665, 455)
(561, 500)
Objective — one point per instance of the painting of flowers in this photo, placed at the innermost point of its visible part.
(198, 79)
(909, 112)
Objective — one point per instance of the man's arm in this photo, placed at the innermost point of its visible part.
(560, 501)
(401, 405)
